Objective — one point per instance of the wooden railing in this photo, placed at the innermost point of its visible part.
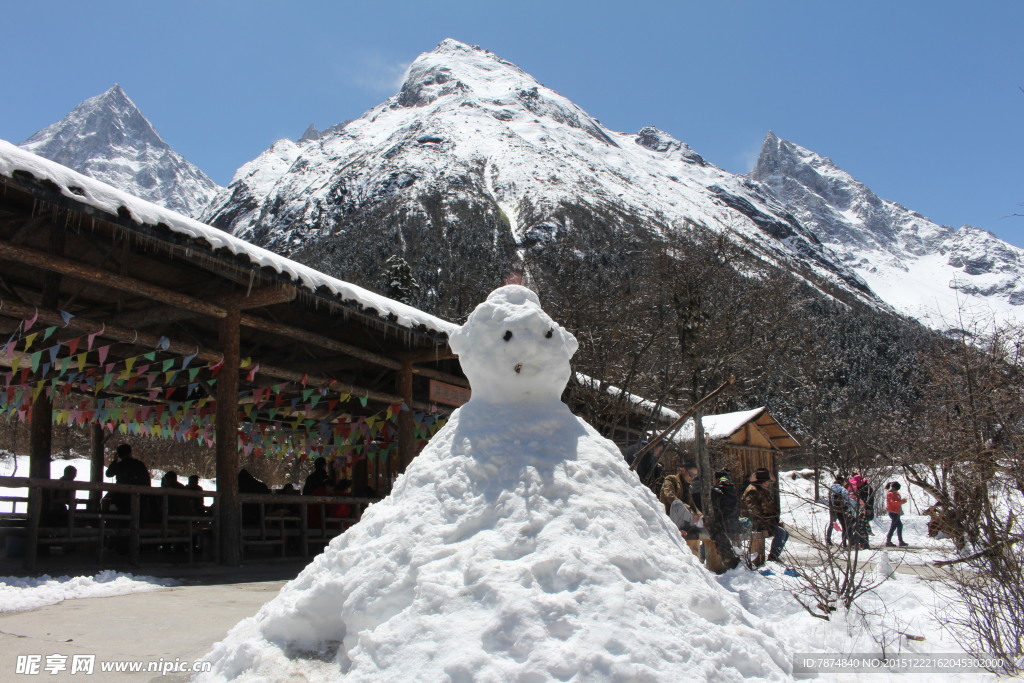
(270, 520)
(144, 523)
(292, 525)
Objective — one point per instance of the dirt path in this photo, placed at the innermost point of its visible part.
(168, 626)
(802, 552)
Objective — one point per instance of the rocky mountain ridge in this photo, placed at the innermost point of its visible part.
(107, 138)
(927, 271)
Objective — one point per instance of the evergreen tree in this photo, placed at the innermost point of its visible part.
(401, 285)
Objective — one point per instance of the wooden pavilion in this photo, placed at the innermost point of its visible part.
(127, 318)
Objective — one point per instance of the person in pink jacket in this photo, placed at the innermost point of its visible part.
(894, 506)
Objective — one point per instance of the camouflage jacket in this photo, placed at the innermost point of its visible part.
(674, 488)
(758, 505)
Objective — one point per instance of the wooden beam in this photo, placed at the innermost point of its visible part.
(406, 425)
(428, 356)
(152, 316)
(299, 334)
(267, 296)
(226, 430)
(105, 278)
(441, 376)
(117, 333)
(30, 226)
(135, 337)
(354, 351)
(333, 384)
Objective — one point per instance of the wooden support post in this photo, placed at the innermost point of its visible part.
(41, 425)
(35, 514)
(406, 423)
(756, 550)
(95, 463)
(227, 441)
(40, 437)
(713, 560)
(134, 528)
(360, 477)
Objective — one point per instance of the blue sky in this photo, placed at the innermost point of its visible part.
(919, 100)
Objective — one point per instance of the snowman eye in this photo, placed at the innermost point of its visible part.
(548, 335)
(508, 335)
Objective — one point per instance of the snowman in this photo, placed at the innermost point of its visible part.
(512, 351)
(516, 546)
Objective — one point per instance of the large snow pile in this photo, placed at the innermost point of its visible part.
(517, 546)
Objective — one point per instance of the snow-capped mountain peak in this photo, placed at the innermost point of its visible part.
(476, 154)
(108, 138)
(469, 76)
(925, 270)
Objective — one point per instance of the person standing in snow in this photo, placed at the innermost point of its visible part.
(649, 469)
(726, 502)
(866, 494)
(758, 505)
(894, 503)
(841, 510)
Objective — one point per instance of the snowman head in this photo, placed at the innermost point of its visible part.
(510, 349)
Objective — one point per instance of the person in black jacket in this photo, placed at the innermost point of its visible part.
(318, 478)
(125, 469)
(250, 484)
(726, 501)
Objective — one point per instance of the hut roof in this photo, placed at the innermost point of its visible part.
(639, 402)
(727, 426)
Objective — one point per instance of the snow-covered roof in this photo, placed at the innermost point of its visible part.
(93, 193)
(720, 426)
(664, 413)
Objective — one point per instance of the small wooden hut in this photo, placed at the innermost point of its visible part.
(743, 441)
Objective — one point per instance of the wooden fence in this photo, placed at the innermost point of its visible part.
(289, 525)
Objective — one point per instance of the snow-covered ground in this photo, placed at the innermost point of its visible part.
(18, 594)
(518, 546)
(906, 603)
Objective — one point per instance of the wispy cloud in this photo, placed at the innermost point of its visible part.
(375, 73)
(747, 156)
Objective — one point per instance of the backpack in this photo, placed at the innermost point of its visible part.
(836, 502)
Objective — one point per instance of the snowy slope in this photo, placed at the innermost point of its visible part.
(473, 143)
(107, 138)
(926, 271)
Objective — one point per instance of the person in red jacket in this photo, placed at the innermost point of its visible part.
(894, 506)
